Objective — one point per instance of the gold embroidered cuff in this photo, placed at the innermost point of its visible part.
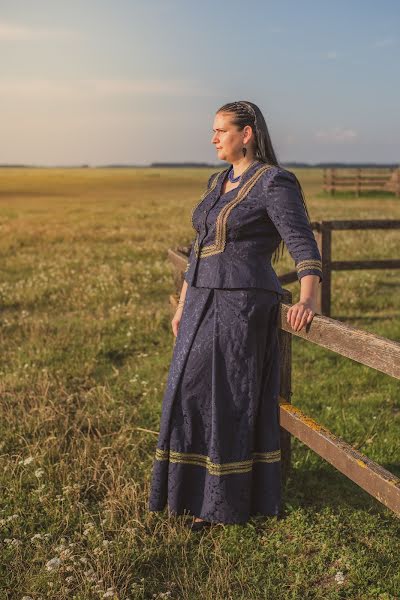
(303, 265)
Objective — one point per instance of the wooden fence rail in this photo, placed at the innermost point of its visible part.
(361, 180)
(366, 348)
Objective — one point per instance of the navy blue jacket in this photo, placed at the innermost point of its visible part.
(237, 233)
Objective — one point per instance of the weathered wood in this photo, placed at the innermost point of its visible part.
(360, 180)
(362, 346)
(379, 179)
(371, 477)
(177, 259)
(356, 224)
(289, 277)
(318, 237)
(326, 249)
(352, 265)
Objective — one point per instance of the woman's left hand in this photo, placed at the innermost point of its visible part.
(301, 313)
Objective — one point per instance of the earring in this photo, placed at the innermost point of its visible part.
(244, 150)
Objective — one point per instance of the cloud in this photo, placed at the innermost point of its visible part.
(384, 42)
(335, 135)
(332, 55)
(290, 139)
(80, 88)
(10, 32)
(149, 87)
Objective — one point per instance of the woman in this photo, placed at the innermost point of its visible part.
(218, 452)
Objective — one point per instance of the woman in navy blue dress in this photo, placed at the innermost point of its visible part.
(218, 453)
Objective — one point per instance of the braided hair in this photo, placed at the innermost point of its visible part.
(247, 113)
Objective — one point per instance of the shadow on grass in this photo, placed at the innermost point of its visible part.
(363, 320)
(326, 487)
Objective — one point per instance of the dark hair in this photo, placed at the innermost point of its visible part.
(247, 113)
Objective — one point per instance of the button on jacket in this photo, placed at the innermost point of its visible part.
(238, 232)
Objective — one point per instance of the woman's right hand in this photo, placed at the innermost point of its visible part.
(176, 320)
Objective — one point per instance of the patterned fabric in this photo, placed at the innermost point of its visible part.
(218, 452)
(238, 232)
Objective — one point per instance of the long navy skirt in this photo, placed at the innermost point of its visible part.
(218, 451)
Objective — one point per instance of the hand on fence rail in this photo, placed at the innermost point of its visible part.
(301, 313)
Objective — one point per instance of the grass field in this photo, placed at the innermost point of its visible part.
(86, 343)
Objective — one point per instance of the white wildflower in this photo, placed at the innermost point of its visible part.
(39, 473)
(15, 542)
(339, 577)
(28, 460)
(53, 564)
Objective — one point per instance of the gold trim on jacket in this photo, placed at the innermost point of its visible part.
(221, 221)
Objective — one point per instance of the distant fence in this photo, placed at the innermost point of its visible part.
(361, 180)
(366, 348)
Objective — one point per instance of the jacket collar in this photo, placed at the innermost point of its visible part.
(245, 177)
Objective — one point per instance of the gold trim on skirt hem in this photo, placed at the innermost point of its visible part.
(201, 460)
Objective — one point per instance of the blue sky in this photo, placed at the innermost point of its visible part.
(90, 81)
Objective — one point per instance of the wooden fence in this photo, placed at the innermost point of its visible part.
(361, 180)
(366, 348)
(323, 236)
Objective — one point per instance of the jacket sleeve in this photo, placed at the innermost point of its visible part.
(191, 253)
(286, 210)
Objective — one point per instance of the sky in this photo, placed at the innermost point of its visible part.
(134, 82)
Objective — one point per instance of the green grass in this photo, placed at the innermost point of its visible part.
(86, 344)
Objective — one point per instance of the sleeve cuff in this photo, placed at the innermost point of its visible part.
(309, 267)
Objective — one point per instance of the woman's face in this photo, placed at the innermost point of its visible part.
(228, 140)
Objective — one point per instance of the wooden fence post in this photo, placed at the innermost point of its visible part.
(325, 250)
(333, 181)
(358, 182)
(397, 187)
(318, 237)
(285, 389)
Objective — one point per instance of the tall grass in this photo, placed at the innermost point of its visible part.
(86, 344)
